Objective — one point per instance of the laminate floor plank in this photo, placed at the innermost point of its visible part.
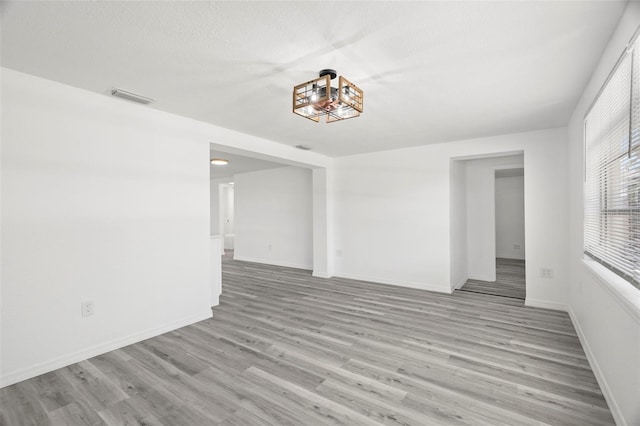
(509, 284)
(76, 413)
(286, 348)
(383, 411)
(20, 405)
(428, 396)
(128, 413)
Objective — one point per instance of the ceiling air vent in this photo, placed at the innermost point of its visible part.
(119, 93)
(303, 147)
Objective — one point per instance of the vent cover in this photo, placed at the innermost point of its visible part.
(119, 93)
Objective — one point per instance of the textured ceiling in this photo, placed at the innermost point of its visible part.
(431, 71)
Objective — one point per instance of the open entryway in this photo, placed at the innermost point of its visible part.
(488, 226)
(226, 204)
(223, 198)
(509, 216)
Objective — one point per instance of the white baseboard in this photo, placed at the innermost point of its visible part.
(602, 381)
(81, 355)
(273, 262)
(537, 303)
(482, 278)
(321, 274)
(460, 284)
(400, 283)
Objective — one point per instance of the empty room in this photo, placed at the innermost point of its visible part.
(320, 212)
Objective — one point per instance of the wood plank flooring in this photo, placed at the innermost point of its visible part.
(510, 281)
(285, 348)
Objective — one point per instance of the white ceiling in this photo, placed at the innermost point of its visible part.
(431, 71)
(238, 164)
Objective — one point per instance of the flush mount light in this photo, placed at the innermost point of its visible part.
(316, 98)
(219, 161)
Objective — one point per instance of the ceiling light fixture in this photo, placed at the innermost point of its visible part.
(219, 161)
(316, 98)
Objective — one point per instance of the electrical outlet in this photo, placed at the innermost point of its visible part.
(87, 308)
(338, 252)
(269, 247)
(546, 273)
(516, 246)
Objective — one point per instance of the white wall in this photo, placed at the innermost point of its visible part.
(103, 201)
(228, 216)
(274, 217)
(214, 198)
(392, 218)
(510, 243)
(606, 315)
(481, 214)
(323, 233)
(215, 252)
(458, 223)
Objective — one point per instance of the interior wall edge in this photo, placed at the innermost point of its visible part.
(545, 304)
(401, 283)
(286, 264)
(321, 275)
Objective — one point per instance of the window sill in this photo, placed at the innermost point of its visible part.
(626, 294)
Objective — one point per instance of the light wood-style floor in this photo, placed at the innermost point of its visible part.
(284, 348)
(510, 281)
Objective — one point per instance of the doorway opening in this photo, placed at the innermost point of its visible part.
(509, 254)
(487, 220)
(226, 215)
(510, 244)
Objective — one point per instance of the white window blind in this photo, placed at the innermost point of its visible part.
(612, 171)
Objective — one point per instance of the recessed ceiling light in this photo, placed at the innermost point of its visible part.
(303, 147)
(219, 161)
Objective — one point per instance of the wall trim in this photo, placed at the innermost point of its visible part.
(321, 274)
(600, 377)
(273, 262)
(482, 278)
(545, 304)
(400, 283)
(460, 284)
(99, 349)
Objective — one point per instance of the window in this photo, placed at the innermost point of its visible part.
(612, 171)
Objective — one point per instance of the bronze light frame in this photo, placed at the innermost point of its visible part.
(317, 98)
